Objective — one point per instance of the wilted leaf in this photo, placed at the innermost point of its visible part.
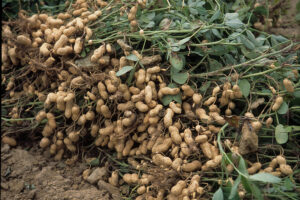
(183, 41)
(176, 61)
(165, 24)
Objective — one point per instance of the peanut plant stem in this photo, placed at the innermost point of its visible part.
(261, 73)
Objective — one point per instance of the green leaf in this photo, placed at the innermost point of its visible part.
(218, 50)
(150, 16)
(265, 177)
(281, 134)
(297, 17)
(132, 57)
(94, 162)
(83, 53)
(214, 65)
(256, 191)
(263, 48)
(274, 42)
(249, 54)
(246, 184)
(216, 33)
(288, 184)
(245, 87)
(251, 37)
(178, 98)
(234, 188)
(233, 36)
(176, 61)
(124, 70)
(230, 59)
(263, 10)
(3, 112)
(226, 191)
(167, 99)
(247, 42)
(283, 108)
(186, 25)
(205, 86)
(280, 38)
(232, 20)
(242, 166)
(150, 25)
(297, 94)
(218, 195)
(180, 78)
(215, 16)
(172, 85)
(261, 40)
(234, 23)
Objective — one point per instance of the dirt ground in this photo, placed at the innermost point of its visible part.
(289, 27)
(32, 174)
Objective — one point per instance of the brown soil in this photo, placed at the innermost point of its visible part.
(33, 174)
(289, 27)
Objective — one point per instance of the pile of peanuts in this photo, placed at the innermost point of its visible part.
(131, 120)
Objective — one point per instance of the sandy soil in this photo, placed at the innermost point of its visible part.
(32, 174)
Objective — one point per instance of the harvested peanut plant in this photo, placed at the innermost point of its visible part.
(184, 99)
